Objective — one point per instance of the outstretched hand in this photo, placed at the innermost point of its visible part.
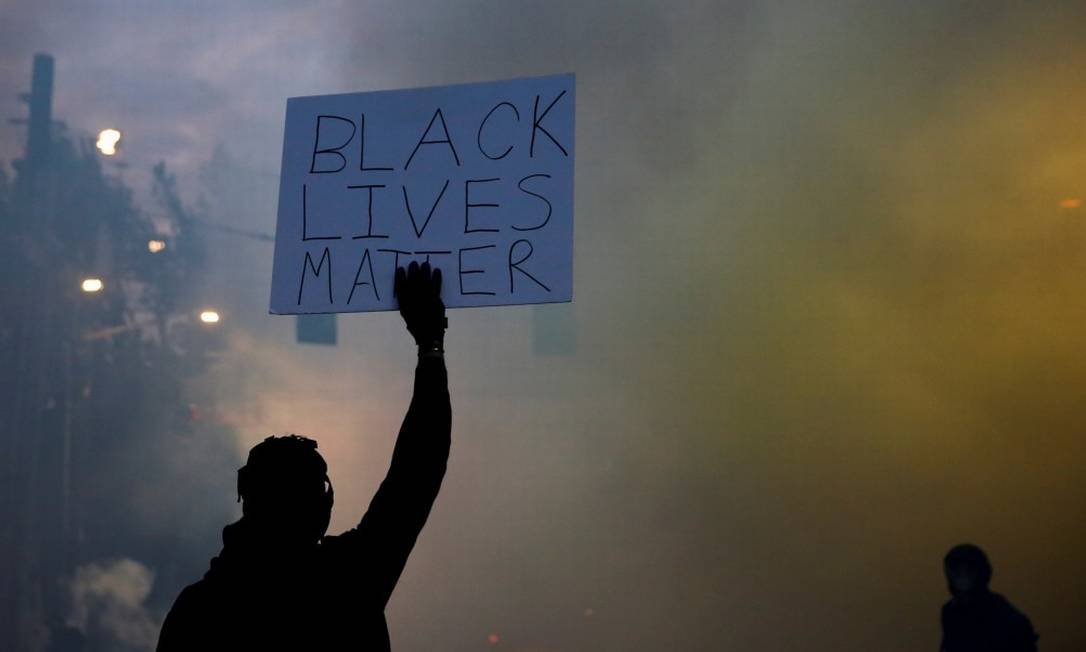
(418, 291)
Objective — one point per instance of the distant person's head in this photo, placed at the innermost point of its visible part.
(967, 571)
(285, 490)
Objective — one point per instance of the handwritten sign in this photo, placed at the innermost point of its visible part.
(475, 178)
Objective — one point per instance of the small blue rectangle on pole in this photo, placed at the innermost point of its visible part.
(554, 330)
(316, 329)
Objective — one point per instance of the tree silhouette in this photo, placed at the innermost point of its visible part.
(105, 417)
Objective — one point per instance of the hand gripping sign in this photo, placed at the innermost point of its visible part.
(475, 178)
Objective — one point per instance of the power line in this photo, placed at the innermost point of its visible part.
(244, 233)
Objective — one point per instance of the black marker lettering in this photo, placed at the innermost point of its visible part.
(330, 150)
(362, 148)
(327, 255)
(395, 261)
(423, 141)
(464, 272)
(479, 135)
(305, 221)
(468, 205)
(372, 283)
(433, 207)
(429, 253)
(369, 212)
(536, 119)
(520, 185)
(515, 265)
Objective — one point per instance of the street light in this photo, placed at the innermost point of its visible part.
(155, 246)
(108, 139)
(209, 317)
(92, 285)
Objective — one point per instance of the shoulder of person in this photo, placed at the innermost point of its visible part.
(1000, 602)
(1008, 611)
(193, 595)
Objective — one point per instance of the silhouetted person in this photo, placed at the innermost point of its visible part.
(279, 582)
(976, 619)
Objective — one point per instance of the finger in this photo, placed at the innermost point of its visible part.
(411, 286)
(400, 282)
(424, 278)
(437, 281)
(413, 278)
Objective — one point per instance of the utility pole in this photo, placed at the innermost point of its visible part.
(39, 122)
(39, 133)
(31, 368)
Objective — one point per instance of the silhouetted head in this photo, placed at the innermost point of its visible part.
(967, 571)
(286, 491)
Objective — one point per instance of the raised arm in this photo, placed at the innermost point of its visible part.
(402, 504)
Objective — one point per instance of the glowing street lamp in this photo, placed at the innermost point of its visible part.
(91, 285)
(108, 139)
(209, 317)
(155, 246)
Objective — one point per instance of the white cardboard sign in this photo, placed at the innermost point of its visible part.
(475, 178)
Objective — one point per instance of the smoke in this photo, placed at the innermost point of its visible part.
(828, 310)
(108, 604)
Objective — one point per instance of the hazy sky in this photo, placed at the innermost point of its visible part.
(828, 306)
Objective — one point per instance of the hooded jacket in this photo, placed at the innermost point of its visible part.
(976, 619)
(332, 595)
(986, 623)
